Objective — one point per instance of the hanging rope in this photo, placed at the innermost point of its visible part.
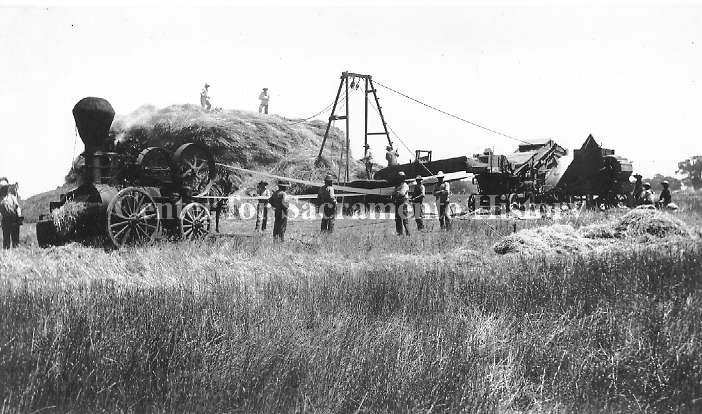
(325, 109)
(392, 131)
(450, 114)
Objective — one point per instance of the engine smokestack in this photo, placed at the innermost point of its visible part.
(93, 118)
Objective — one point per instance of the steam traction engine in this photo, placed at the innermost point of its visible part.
(132, 199)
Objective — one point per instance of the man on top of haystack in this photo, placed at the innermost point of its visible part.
(264, 97)
(205, 97)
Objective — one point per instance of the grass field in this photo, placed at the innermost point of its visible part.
(360, 321)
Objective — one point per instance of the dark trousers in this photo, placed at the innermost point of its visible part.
(401, 219)
(328, 216)
(263, 108)
(10, 235)
(419, 215)
(261, 216)
(445, 216)
(280, 224)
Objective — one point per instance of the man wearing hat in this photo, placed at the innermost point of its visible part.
(638, 189)
(263, 97)
(665, 197)
(11, 215)
(263, 194)
(391, 156)
(400, 197)
(647, 196)
(326, 202)
(205, 97)
(280, 203)
(442, 194)
(417, 199)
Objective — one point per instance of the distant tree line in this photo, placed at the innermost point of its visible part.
(691, 169)
(675, 183)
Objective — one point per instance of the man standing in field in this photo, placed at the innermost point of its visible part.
(205, 98)
(280, 203)
(442, 194)
(368, 162)
(638, 189)
(326, 202)
(665, 197)
(263, 194)
(11, 215)
(417, 202)
(264, 98)
(400, 197)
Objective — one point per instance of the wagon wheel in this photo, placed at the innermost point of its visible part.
(196, 167)
(132, 217)
(194, 221)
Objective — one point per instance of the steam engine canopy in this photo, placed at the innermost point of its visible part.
(93, 118)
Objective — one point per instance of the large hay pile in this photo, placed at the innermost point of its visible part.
(637, 226)
(269, 143)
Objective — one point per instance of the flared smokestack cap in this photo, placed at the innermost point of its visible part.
(93, 118)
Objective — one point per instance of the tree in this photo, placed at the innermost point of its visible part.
(674, 183)
(692, 169)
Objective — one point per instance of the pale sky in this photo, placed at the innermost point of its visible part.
(628, 74)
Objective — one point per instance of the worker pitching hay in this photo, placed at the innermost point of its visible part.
(639, 226)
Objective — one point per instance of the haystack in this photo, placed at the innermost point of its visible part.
(268, 143)
(556, 238)
(651, 223)
(639, 226)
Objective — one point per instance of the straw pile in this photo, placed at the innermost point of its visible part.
(250, 140)
(76, 219)
(556, 238)
(639, 226)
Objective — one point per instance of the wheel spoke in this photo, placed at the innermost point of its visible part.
(140, 229)
(119, 223)
(120, 232)
(126, 236)
(138, 202)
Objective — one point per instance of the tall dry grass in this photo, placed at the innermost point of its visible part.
(361, 321)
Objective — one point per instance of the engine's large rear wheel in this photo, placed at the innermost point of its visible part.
(196, 167)
(132, 218)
